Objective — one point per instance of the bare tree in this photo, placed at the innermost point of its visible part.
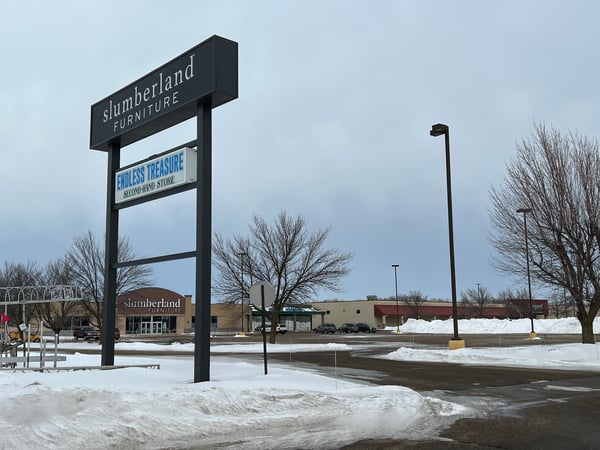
(56, 315)
(284, 253)
(509, 294)
(517, 302)
(415, 300)
(558, 177)
(19, 275)
(85, 261)
(560, 304)
(476, 299)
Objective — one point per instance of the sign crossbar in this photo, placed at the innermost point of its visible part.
(155, 259)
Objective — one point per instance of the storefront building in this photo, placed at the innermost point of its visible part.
(295, 317)
(154, 311)
(385, 313)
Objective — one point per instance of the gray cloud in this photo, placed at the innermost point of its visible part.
(336, 102)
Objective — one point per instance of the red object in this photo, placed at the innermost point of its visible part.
(5, 318)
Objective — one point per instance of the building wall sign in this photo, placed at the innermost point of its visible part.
(146, 306)
(168, 95)
(159, 174)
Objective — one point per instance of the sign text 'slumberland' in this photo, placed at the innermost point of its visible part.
(148, 306)
(152, 100)
(167, 96)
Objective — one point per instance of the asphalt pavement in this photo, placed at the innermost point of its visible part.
(520, 408)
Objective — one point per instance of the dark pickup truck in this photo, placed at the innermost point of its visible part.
(86, 333)
(90, 332)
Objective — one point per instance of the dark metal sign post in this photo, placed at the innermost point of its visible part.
(110, 259)
(190, 85)
(264, 291)
(203, 245)
(263, 329)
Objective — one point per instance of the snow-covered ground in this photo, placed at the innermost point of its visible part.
(241, 407)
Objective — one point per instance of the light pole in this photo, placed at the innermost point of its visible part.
(525, 211)
(437, 130)
(395, 266)
(241, 255)
(479, 302)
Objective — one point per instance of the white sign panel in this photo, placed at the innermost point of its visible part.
(165, 172)
(256, 293)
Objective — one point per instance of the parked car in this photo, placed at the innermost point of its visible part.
(87, 333)
(365, 328)
(348, 328)
(325, 328)
(16, 336)
(281, 328)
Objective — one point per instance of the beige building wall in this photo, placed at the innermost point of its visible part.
(342, 311)
(225, 317)
(185, 322)
(339, 312)
(228, 317)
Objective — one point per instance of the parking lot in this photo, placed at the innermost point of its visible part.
(521, 408)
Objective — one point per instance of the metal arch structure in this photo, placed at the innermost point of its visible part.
(40, 294)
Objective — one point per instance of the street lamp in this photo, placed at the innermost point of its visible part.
(525, 211)
(395, 266)
(479, 302)
(241, 255)
(437, 130)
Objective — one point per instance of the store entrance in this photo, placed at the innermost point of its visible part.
(151, 328)
(151, 324)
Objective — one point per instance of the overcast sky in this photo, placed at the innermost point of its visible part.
(336, 100)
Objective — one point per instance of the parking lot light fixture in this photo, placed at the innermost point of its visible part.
(525, 211)
(395, 266)
(437, 130)
(241, 255)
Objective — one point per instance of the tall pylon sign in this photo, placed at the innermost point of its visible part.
(188, 86)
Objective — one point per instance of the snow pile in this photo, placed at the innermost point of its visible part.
(239, 408)
(562, 357)
(495, 326)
